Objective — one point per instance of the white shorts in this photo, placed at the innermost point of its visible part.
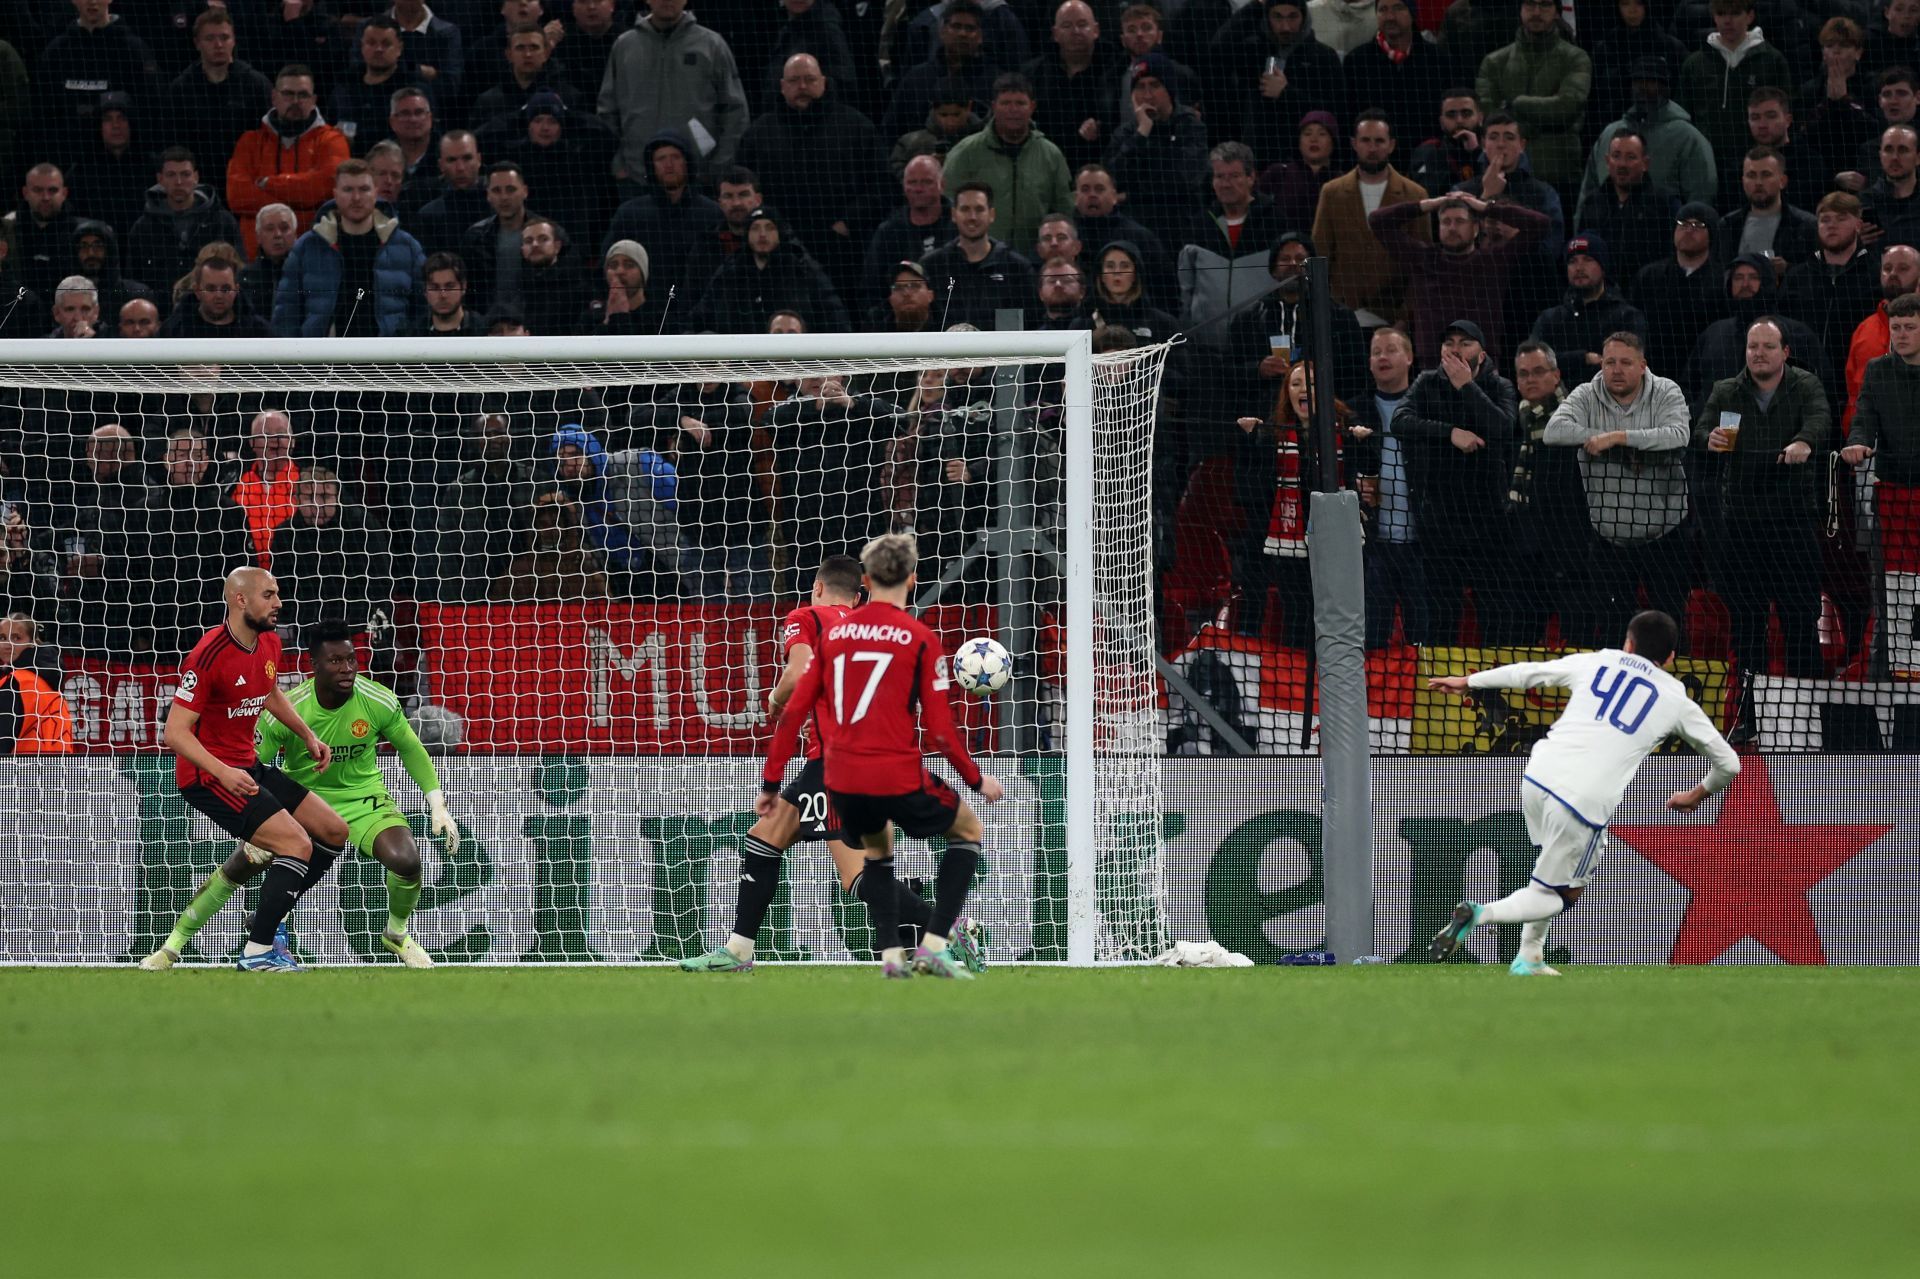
(1570, 847)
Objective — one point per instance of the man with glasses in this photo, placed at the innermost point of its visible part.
(1684, 292)
(215, 309)
(288, 160)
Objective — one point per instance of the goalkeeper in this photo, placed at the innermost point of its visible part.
(350, 715)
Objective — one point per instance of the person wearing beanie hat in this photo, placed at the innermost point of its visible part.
(1294, 184)
(626, 306)
(1159, 156)
(1683, 292)
(772, 273)
(1593, 308)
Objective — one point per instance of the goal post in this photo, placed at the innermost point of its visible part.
(1076, 877)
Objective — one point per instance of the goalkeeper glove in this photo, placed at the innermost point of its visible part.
(441, 822)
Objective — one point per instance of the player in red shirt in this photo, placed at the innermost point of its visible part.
(225, 682)
(875, 668)
(804, 812)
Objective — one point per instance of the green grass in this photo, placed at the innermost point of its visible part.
(1367, 1122)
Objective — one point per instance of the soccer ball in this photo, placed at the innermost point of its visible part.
(982, 667)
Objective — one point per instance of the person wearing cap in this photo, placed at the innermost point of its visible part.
(667, 71)
(1592, 309)
(1073, 83)
(823, 163)
(908, 307)
(110, 174)
(1716, 82)
(1159, 155)
(958, 64)
(1459, 431)
(1477, 248)
(670, 216)
(1401, 74)
(1294, 184)
(1634, 215)
(773, 273)
(1273, 73)
(1683, 292)
(96, 54)
(1765, 223)
(1631, 427)
(555, 147)
(531, 71)
(1544, 79)
(1679, 157)
(1144, 30)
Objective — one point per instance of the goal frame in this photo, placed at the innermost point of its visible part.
(1072, 349)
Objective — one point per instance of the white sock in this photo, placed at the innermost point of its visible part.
(741, 948)
(1531, 902)
(932, 943)
(1533, 940)
(256, 948)
(894, 955)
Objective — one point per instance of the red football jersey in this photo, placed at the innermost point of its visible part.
(805, 625)
(874, 669)
(228, 685)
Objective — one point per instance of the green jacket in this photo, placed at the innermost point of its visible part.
(1680, 157)
(1029, 181)
(1543, 81)
(1715, 92)
(1755, 482)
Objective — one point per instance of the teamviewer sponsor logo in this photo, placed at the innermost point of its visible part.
(252, 706)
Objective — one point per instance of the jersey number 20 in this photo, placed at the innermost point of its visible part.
(1617, 699)
(879, 662)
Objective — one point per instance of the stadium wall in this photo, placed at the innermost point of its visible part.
(1808, 860)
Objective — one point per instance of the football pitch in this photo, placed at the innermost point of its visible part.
(1370, 1122)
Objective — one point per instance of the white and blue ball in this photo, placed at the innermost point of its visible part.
(982, 666)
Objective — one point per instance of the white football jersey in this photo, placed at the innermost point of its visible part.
(1620, 709)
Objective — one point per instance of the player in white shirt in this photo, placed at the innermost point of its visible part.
(1623, 703)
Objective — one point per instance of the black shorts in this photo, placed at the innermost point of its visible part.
(818, 820)
(920, 814)
(241, 815)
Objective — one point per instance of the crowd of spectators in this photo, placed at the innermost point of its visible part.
(1686, 231)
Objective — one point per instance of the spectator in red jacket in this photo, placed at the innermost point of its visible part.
(288, 160)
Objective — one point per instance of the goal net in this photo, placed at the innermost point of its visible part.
(570, 561)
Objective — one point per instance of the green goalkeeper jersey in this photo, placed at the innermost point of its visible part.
(354, 731)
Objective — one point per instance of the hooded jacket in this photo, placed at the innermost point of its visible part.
(1545, 82)
(77, 67)
(1029, 179)
(670, 229)
(1276, 313)
(1833, 300)
(269, 167)
(1217, 276)
(743, 295)
(1140, 317)
(1715, 82)
(630, 505)
(659, 79)
(116, 289)
(303, 305)
(1721, 351)
(1238, 54)
(1161, 172)
(1002, 280)
(1637, 491)
(1679, 157)
(163, 244)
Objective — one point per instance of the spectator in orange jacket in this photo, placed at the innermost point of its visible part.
(288, 160)
(1899, 275)
(34, 718)
(265, 489)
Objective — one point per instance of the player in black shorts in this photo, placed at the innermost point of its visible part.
(805, 812)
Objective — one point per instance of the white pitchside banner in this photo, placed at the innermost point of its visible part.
(1808, 859)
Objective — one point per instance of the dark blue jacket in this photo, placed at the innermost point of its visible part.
(303, 304)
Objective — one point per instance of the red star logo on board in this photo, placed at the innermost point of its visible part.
(1749, 873)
